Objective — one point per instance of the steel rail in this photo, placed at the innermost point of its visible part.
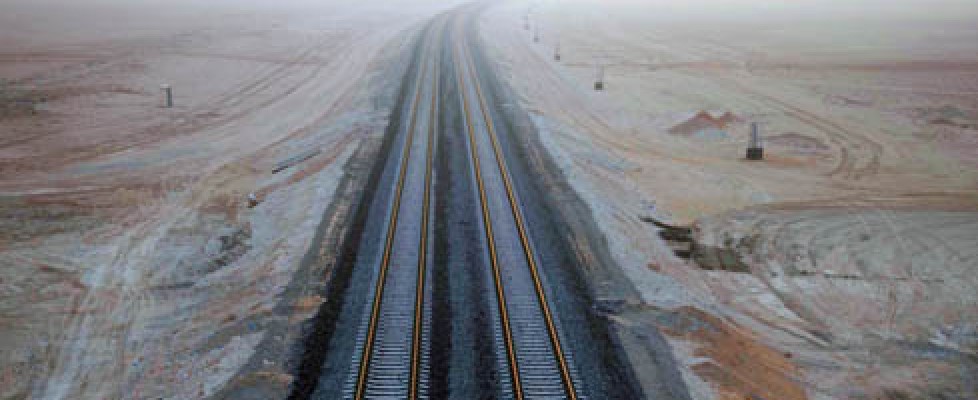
(520, 225)
(487, 224)
(361, 385)
(423, 246)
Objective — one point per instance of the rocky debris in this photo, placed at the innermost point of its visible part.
(679, 238)
(718, 258)
(723, 256)
(226, 247)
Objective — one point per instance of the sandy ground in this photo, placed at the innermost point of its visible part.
(132, 266)
(842, 265)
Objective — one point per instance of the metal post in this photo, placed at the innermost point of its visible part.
(167, 96)
(753, 135)
(599, 78)
(754, 149)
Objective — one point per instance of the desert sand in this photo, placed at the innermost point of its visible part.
(840, 266)
(132, 265)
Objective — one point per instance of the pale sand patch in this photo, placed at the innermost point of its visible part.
(852, 106)
(133, 267)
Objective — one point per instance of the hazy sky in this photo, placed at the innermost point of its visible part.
(868, 9)
(958, 9)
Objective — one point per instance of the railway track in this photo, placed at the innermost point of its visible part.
(536, 364)
(392, 345)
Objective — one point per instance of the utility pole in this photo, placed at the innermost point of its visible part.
(167, 96)
(599, 78)
(754, 149)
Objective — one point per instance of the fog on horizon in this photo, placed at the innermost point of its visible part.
(958, 9)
